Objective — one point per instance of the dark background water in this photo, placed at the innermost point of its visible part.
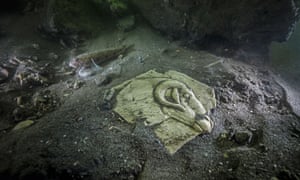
(285, 58)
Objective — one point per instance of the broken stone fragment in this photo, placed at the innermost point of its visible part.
(23, 124)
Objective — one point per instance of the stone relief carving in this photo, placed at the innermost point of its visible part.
(180, 103)
(173, 104)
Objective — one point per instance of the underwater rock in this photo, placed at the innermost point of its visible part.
(70, 22)
(28, 73)
(173, 104)
(45, 101)
(195, 21)
(240, 22)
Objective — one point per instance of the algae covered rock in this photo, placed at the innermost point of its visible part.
(174, 105)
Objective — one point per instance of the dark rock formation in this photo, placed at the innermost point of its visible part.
(20, 6)
(246, 22)
(72, 21)
(11, 5)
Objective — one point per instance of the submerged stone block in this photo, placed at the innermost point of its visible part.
(173, 104)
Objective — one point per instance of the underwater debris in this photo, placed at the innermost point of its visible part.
(45, 101)
(28, 74)
(214, 63)
(34, 106)
(25, 73)
(26, 77)
(173, 104)
(78, 84)
(74, 84)
(23, 124)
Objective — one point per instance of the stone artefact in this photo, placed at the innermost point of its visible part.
(173, 104)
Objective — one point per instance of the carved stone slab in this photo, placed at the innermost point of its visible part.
(173, 104)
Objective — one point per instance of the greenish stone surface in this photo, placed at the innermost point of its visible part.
(173, 104)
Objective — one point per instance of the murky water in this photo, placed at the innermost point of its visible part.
(285, 58)
(20, 37)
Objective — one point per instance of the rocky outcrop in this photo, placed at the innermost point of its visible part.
(238, 22)
(243, 22)
(72, 21)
